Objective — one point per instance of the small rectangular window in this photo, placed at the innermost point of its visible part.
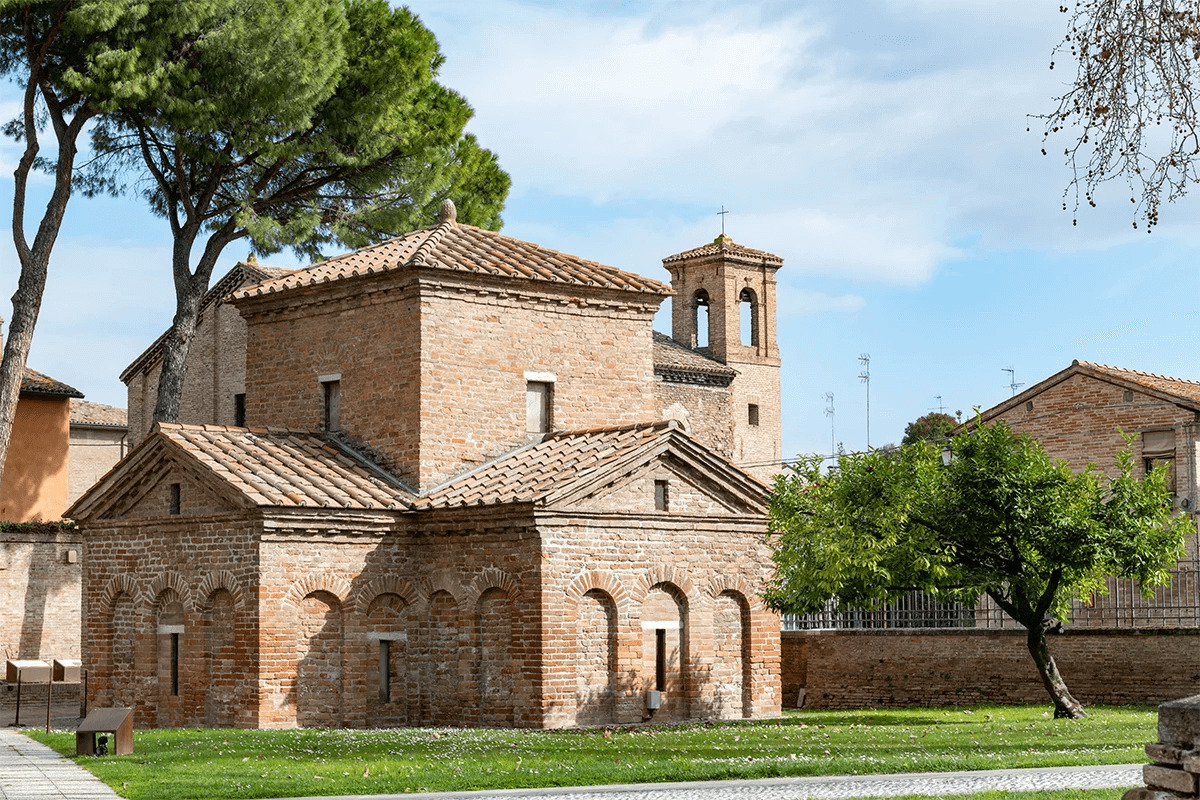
(175, 664)
(660, 659)
(539, 398)
(176, 498)
(752, 414)
(385, 671)
(332, 393)
(662, 496)
(239, 410)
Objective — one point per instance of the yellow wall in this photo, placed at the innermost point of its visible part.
(34, 486)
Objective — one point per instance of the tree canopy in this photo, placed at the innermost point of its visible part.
(1001, 519)
(292, 124)
(1129, 112)
(929, 427)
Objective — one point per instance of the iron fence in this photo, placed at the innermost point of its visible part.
(1176, 605)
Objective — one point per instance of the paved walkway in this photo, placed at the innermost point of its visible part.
(1120, 776)
(31, 771)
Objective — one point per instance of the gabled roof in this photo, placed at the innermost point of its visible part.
(97, 415)
(724, 247)
(1180, 391)
(242, 273)
(36, 383)
(675, 362)
(457, 247)
(262, 467)
(570, 464)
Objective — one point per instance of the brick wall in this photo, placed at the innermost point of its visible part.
(93, 452)
(895, 669)
(39, 593)
(216, 371)
(710, 421)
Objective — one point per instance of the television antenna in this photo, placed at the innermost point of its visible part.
(865, 377)
(1012, 379)
(829, 413)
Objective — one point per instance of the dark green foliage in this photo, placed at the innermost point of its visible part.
(930, 427)
(1002, 519)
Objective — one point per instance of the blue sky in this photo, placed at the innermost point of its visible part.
(879, 147)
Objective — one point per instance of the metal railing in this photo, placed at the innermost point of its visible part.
(1176, 605)
(913, 610)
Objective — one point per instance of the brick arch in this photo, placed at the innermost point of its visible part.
(174, 582)
(117, 586)
(600, 579)
(214, 581)
(335, 585)
(362, 597)
(443, 580)
(665, 574)
(490, 578)
(735, 584)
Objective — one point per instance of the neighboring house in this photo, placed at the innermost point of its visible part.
(34, 487)
(39, 564)
(475, 489)
(97, 443)
(1081, 414)
(215, 383)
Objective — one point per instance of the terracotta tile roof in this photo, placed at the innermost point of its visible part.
(85, 412)
(37, 383)
(1179, 387)
(273, 467)
(725, 246)
(675, 362)
(534, 471)
(462, 248)
(242, 273)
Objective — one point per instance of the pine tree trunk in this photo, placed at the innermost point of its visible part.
(27, 303)
(175, 351)
(1064, 704)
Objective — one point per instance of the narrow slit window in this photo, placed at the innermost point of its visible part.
(332, 394)
(662, 496)
(660, 659)
(752, 414)
(239, 410)
(539, 399)
(174, 664)
(176, 499)
(385, 671)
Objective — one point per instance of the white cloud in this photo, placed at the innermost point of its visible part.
(798, 302)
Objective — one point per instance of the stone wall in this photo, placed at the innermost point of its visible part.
(39, 592)
(895, 669)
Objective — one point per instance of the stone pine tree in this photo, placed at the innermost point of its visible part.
(73, 61)
(1130, 113)
(346, 139)
(1001, 519)
(929, 427)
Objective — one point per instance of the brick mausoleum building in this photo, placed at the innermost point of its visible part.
(476, 489)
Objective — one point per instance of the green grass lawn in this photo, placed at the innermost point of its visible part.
(236, 763)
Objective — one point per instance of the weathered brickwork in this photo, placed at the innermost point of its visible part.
(232, 580)
(92, 452)
(710, 412)
(895, 669)
(39, 574)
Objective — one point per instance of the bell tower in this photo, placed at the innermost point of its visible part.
(724, 306)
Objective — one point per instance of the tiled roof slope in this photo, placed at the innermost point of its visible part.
(85, 412)
(462, 248)
(725, 246)
(36, 383)
(274, 467)
(530, 473)
(1180, 391)
(242, 273)
(672, 358)
(1179, 387)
